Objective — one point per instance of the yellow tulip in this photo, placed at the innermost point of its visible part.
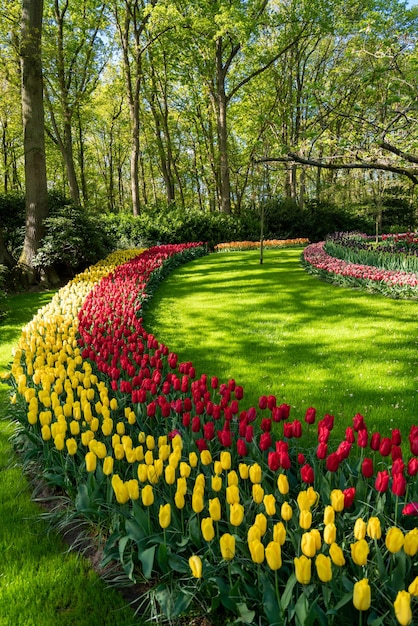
(305, 519)
(195, 563)
(413, 587)
(313, 496)
(329, 515)
(257, 493)
(261, 522)
(283, 484)
(207, 528)
(170, 475)
(302, 569)
(71, 446)
(133, 489)
(142, 472)
(255, 473)
(197, 501)
(360, 552)
(410, 545)
(108, 465)
(164, 515)
(402, 606)
(182, 485)
(216, 483)
(225, 459)
(217, 468)
(360, 528)
(244, 471)
(147, 495)
(394, 539)
(273, 554)
(279, 533)
(303, 501)
(269, 502)
(46, 432)
(256, 551)
(253, 533)
(308, 544)
(330, 533)
(286, 511)
(119, 451)
(185, 469)
(232, 478)
(362, 594)
(179, 500)
(337, 500)
(148, 457)
(205, 457)
(74, 427)
(236, 514)
(232, 494)
(336, 554)
(152, 475)
(373, 528)
(193, 459)
(323, 568)
(91, 461)
(215, 509)
(227, 545)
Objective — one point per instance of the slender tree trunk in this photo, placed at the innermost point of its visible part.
(221, 108)
(6, 258)
(33, 132)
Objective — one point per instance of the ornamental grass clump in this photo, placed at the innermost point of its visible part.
(220, 509)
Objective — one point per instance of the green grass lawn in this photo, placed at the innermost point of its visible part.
(277, 330)
(41, 583)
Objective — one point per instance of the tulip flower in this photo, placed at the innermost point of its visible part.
(305, 519)
(308, 544)
(133, 489)
(283, 484)
(179, 500)
(307, 474)
(303, 569)
(413, 587)
(279, 533)
(244, 471)
(323, 568)
(360, 528)
(216, 483)
(71, 444)
(360, 552)
(402, 606)
(330, 533)
(207, 528)
(410, 509)
(256, 551)
(108, 465)
(399, 485)
(227, 545)
(362, 595)
(261, 522)
(91, 461)
(269, 502)
(382, 481)
(215, 509)
(255, 473)
(253, 533)
(410, 545)
(195, 563)
(367, 467)
(337, 500)
(257, 493)
(286, 511)
(205, 457)
(147, 495)
(197, 501)
(164, 515)
(225, 459)
(232, 494)
(273, 555)
(394, 539)
(336, 554)
(374, 530)
(236, 514)
(329, 515)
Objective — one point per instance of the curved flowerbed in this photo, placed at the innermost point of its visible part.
(387, 281)
(223, 507)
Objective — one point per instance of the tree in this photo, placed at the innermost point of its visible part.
(33, 133)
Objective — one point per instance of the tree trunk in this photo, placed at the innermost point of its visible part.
(225, 185)
(6, 258)
(33, 133)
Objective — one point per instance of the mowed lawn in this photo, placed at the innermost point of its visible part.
(277, 330)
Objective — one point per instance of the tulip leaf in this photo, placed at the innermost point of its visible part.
(271, 606)
(246, 616)
(82, 501)
(178, 564)
(182, 603)
(162, 557)
(302, 608)
(134, 530)
(147, 560)
(287, 594)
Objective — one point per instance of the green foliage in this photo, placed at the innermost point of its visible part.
(3, 270)
(74, 239)
(12, 220)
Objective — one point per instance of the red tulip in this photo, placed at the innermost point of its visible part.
(343, 450)
(241, 447)
(322, 451)
(358, 422)
(297, 429)
(323, 434)
(367, 467)
(362, 438)
(310, 415)
(410, 509)
(262, 402)
(273, 461)
(214, 382)
(288, 430)
(239, 392)
(301, 458)
(271, 402)
(251, 414)
(186, 420)
(396, 453)
(209, 431)
(385, 446)
(399, 485)
(201, 444)
(375, 441)
(307, 474)
(412, 467)
(333, 462)
(398, 467)
(265, 441)
(285, 462)
(382, 481)
(349, 434)
(396, 437)
(349, 495)
(265, 424)
(249, 434)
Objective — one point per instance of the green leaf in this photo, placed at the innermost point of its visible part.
(287, 594)
(246, 616)
(178, 564)
(147, 560)
(182, 602)
(272, 610)
(134, 530)
(82, 500)
(162, 557)
(302, 609)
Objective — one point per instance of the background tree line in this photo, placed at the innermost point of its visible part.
(161, 108)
